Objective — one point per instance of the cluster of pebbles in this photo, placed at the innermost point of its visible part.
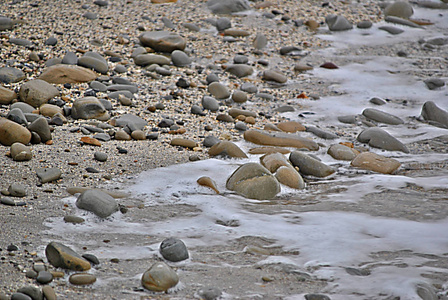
(94, 90)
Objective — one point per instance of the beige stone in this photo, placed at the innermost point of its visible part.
(6, 96)
(62, 73)
(11, 132)
(377, 163)
(279, 139)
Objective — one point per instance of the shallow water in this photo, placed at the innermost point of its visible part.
(328, 241)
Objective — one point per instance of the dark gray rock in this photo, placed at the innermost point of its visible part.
(116, 95)
(17, 115)
(377, 101)
(316, 297)
(210, 141)
(44, 277)
(240, 59)
(11, 75)
(431, 112)
(192, 27)
(180, 58)
(321, 133)
(41, 127)
(174, 250)
(98, 202)
(434, 83)
(309, 166)
(168, 23)
(98, 86)
(212, 77)
(381, 116)
(48, 174)
(51, 41)
(241, 126)
(122, 87)
(95, 61)
(378, 138)
(32, 291)
(338, 23)
(70, 58)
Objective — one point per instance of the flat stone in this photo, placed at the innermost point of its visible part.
(321, 133)
(163, 41)
(253, 181)
(174, 250)
(183, 143)
(434, 83)
(11, 75)
(240, 70)
(342, 152)
(236, 33)
(37, 92)
(267, 150)
(235, 112)
(49, 293)
(279, 139)
(95, 61)
(16, 190)
(33, 291)
(381, 116)
(130, 121)
(149, 59)
(290, 126)
(74, 219)
(379, 138)
(226, 148)
(11, 132)
(310, 166)
(6, 23)
(159, 278)
(276, 76)
(401, 21)
(21, 42)
(210, 293)
(64, 73)
(82, 279)
(377, 163)
(391, 29)
(61, 256)
(48, 174)
(210, 103)
(101, 204)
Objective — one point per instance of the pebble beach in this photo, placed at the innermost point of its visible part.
(223, 149)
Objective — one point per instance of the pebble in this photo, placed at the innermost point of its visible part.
(223, 24)
(377, 101)
(11, 75)
(210, 140)
(61, 256)
(212, 77)
(91, 258)
(122, 135)
(249, 87)
(401, 21)
(279, 139)
(101, 204)
(226, 149)
(227, 6)
(41, 127)
(267, 150)
(44, 277)
(377, 163)
(310, 166)
(240, 70)
(74, 219)
(218, 90)
(321, 133)
(210, 293)
(82, 279)
(316, 297)
(37, 92)
(150, 59)
(381, 116)
(183, 143)
(342, 152)
(162, 41)
(138, 135)
(48, 174)
(402, 9)
(366, 24)
(20, 296)
(241, 126)
(378, 138)
(7, 96)
(391, 29)
(17, 190)
(49, 292)
(434, 83)
(290, 126)
(159, 278)
(253, 181)
(273, 75)
(174, 250)
(210, 103)
(95, 61)
(337, 23)
(180, 58)
(239, 96)
(6, 23)
(208, 182)
(89, 108)
(431, 112)
(20, 152)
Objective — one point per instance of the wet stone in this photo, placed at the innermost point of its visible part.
(98, 202)
(91, 258)
(74, 219)
(376, 163)
(61, 256)
(381, 116)
(210, 293)
(32, 291)
(159, 278)
(377, 101)
(174, 250)
(44, 277)
(226, 149)
(82, 279)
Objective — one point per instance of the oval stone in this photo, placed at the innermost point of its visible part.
(159, 278)
(82, 279)
(11, 132)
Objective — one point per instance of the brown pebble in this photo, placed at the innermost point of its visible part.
(82, 279)
(208, 182)
(90, 141)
